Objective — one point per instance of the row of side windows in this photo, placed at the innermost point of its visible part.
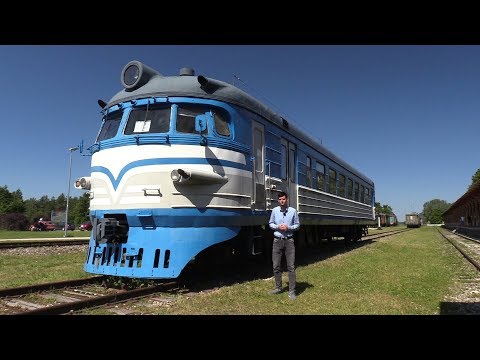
(338, 184)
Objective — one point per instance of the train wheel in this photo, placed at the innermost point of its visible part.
(348, 239)
(358, 234)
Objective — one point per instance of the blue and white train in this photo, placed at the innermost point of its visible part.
(188, 166)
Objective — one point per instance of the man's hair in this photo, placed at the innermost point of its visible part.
(282, 193)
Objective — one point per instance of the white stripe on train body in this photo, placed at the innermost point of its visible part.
(114, 187)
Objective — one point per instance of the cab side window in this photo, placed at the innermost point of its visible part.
(221, 123)
(185, 122)
(111, 123)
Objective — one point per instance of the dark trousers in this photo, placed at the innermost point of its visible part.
(286, 246)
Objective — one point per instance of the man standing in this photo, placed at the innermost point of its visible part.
(284, 221)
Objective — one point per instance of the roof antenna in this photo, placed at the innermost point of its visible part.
(236, 77)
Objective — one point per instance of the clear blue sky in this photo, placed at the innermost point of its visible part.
(406, 116)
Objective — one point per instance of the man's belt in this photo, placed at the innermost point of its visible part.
(283, 237)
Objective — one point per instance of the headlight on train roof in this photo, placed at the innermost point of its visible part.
(131, 75)
(135, 74)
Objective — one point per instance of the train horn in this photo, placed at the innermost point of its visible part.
(209, 85)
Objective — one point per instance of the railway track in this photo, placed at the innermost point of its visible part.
(467, 297)
(17, 243)
(467, 246)
(388, 233)
(66, 297)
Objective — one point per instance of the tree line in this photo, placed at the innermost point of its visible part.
(18, 214)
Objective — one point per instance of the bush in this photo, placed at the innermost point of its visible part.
(14, 221)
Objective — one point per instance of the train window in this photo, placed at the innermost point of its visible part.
(221, 124)
(357, 191)
(148, 120)
(284, 162)
(111, 122)
(341, 185)
(367, 195)
(309, 171)
(186, 118)
(362, 193)
(320, 176)
(349, 188)
(333, 182)
(291, 165)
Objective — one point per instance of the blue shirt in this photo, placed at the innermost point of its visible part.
(289, 217)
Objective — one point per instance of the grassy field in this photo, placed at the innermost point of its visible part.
(4, 234)
(20, 270)
(409, 273)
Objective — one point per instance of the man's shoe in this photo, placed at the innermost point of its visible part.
(275, 291)
(291, 295)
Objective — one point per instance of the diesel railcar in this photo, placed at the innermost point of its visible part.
(413, 220)
(188, 166)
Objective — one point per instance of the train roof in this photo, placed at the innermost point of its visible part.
(150, 83)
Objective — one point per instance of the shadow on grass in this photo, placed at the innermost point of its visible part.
(302, 286)
(460, 308)
(325, 250)
(208, 274)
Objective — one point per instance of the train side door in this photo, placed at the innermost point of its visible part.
(258, 161)
(289, 171)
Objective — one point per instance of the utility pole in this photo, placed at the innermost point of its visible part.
(72, 149)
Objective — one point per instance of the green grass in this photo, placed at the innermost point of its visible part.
(409, 273)
(5, 234)
(20, 270)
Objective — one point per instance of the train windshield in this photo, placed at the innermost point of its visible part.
(148, 120)
(110, 125)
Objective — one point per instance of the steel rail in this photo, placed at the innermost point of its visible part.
(468, 257)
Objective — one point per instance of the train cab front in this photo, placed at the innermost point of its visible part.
(140, 244)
